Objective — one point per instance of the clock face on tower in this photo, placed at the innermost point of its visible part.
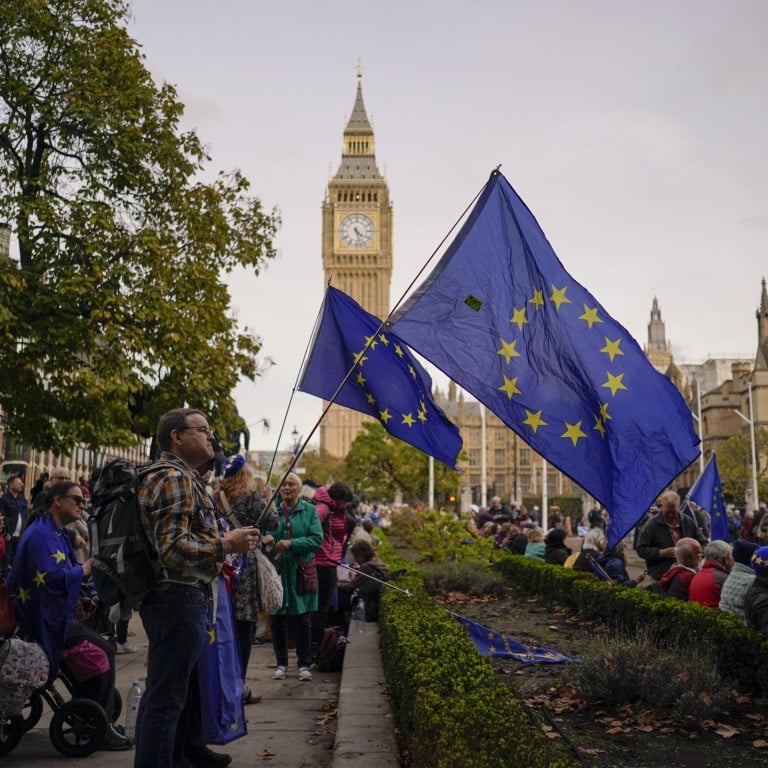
(356, 230)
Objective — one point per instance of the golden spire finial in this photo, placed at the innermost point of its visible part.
(359, 69)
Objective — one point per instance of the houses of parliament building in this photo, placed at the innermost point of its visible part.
(357, 235)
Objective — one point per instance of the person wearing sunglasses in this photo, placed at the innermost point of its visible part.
(44, 586)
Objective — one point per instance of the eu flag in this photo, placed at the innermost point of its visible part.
(490, 643)
(707, 492)
(387, 382)
(44, 584)
(501, 316)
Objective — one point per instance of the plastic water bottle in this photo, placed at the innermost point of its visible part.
(132, 709)
(358, 614)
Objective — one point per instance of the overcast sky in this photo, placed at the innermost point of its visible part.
(635, 132)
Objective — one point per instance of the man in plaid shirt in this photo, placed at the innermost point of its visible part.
(179, 517)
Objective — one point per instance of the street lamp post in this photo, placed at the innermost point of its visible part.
(751, 422)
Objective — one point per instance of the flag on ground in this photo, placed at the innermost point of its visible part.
(388, 383)
(490, 643)
(707, 492)
(500, 315)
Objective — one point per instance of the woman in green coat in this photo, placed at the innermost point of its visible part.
(297, 538)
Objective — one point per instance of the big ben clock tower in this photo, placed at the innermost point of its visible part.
(357, 246)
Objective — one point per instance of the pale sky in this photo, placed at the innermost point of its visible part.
(635, 132)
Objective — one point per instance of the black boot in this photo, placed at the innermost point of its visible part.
(202, 757)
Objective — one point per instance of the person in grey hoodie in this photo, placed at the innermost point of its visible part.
(739, 579)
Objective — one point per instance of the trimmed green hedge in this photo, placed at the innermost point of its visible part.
(449, 708)
(743, 653)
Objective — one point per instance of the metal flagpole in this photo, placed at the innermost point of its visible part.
(431, 482)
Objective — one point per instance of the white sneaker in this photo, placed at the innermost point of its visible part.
(305, 674)
(125, 647)
(279, 673)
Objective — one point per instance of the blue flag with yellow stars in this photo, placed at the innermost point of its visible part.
(387, 383)
(707, 492)
(490, 643)
(44, 584)
(501, 316)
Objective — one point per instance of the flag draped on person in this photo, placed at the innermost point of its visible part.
(44, 586)
(707, 492)
(387, 382)
(490, 643)
(500, 315)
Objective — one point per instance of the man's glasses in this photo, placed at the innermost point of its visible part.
(79, 500)
(207, 431)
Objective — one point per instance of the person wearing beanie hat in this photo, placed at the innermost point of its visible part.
(756, 599)
(739, 579)
(242, 496)
(555, 551)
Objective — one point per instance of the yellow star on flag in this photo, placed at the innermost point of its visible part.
(383, 339)
(40, 578)
(510, 387)
(519, 318)
(371, 342)
(408, 419)
(370, 398)
(508, 350)
(614, 383)
(360, 379)
(58, 556)
(23, 595)
(385, 415)
(534, 420)
(599, 426)
(604, 415)
(558, 297)
(360, 358)
(421, 416)
(412, 371)
(538, 298)
(573, 431)
(398, 350)
(590, 316)
(611, 348)
(211, 636)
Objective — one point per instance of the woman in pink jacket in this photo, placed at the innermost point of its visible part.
(331, 504)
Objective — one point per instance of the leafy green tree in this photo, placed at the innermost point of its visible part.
(116, 310)
(322, 467)
(379, 465)
(734, 462)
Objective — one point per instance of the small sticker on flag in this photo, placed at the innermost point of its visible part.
(473, 303)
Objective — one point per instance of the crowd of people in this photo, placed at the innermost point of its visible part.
(203, 526)
(680, 559)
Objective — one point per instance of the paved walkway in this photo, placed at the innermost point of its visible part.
(294, 726)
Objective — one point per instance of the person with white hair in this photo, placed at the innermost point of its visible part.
(593, 546)
(298, 536)
(707, 584)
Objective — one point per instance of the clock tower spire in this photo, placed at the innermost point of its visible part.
(357, 245)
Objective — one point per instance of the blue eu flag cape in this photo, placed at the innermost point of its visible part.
(491, 643)
(44, 584)
(707, 492)
(500, 315)
(387, 383)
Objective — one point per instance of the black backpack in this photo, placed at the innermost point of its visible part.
(125, 564)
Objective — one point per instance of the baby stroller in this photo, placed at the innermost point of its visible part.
(78, 726)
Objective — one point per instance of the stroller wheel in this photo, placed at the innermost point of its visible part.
(78, 727)
(11, 731)
(33, 711)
